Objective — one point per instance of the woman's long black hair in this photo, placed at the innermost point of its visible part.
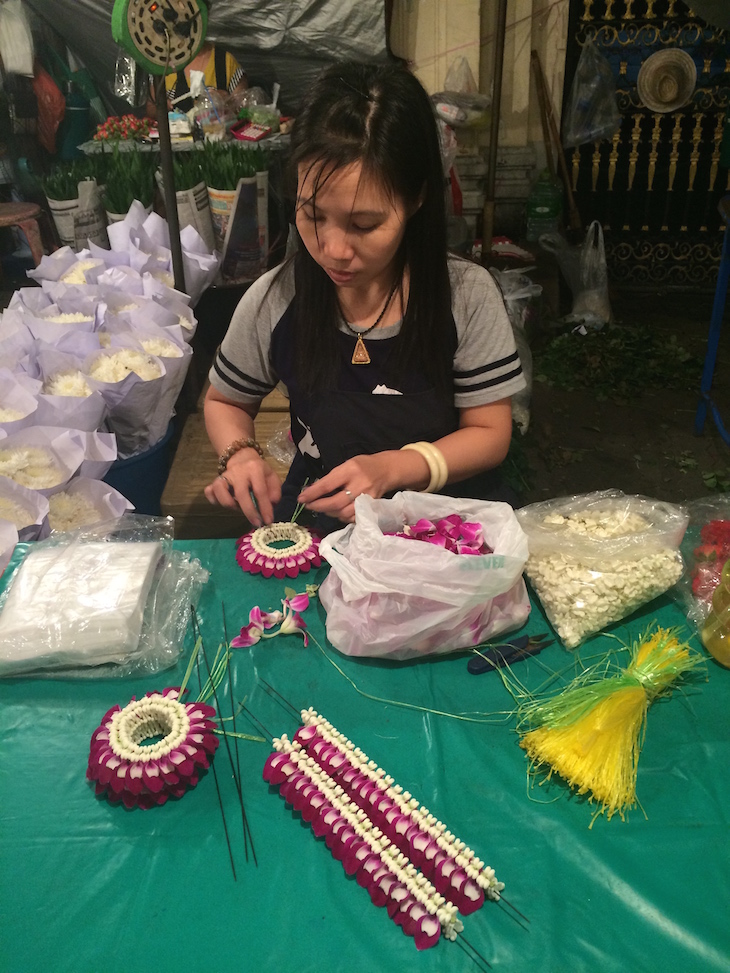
(380, 116)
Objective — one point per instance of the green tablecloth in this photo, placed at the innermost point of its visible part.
(87, 887)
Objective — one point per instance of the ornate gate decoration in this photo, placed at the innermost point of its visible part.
(656, 185)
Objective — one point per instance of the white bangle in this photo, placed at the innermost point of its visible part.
(436, 464)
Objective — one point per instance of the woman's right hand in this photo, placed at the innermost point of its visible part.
(248, 483)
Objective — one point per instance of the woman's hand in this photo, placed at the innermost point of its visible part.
(335, 493)
(248, 483)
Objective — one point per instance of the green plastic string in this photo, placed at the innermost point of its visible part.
(488, 717)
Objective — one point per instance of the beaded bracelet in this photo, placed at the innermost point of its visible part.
(232, 448)
(436, 464)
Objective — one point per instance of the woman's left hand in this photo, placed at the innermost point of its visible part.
(336, 492)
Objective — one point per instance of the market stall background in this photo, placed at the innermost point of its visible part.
(274, 40)
(86, 885)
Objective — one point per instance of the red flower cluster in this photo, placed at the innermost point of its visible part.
(126, 127)
(710, 557)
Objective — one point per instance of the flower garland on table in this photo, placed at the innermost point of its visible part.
(140, 775)
(256, 554)
(592, 732)
(127, 764)
(379, 832)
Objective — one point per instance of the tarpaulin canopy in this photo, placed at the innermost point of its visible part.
(288, 41)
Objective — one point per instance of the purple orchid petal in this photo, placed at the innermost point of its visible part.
(298, 603)
(249, 635)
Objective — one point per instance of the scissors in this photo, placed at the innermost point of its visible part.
(505, 654)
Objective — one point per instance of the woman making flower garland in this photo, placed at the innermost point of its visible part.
(398, 358)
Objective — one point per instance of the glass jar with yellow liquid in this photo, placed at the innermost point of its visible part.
(716, 630)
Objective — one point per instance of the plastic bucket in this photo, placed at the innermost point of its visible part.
(141, 478)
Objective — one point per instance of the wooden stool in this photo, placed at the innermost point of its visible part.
(24, 216)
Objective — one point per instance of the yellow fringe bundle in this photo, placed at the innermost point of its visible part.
(591, 734)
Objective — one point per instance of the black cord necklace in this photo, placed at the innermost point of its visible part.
(360, 354)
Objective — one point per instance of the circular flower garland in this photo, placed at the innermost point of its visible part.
(142, 775)
(256, 554)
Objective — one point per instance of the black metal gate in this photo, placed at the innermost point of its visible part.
(656, 184)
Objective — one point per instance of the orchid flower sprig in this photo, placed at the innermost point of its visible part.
(289, 620)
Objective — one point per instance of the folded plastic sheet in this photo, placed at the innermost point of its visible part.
(82, 881)
(76, 605)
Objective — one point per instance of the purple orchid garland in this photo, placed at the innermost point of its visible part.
(380, 833)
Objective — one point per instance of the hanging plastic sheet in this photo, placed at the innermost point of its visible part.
(288, 41)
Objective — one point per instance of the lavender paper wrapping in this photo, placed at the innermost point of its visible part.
(14, 396)
(26, 381)
(33, 299)
(36, 526)
(8, 540)
(108, 502)
(133, 404)
(176, 367)
(65, 450)
(199, 265)
(69, 411)
(43, 329)
(124, 280)
(161, 293)
(54, 266)
(100, 451)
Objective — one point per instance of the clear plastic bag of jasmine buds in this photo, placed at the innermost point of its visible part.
(112, 599)
(597, 557)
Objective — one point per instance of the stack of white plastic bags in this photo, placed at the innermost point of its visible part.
(111, 599)
(91, 365)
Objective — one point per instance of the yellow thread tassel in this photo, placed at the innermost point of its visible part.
(591, 734)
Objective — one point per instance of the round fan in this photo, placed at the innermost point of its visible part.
(161, 35)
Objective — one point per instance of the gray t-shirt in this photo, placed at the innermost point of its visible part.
(486, 364)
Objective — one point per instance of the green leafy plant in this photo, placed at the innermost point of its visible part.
(131, 176)
(617, 363)
(717, 480)
(62, 182)
(224, 164)
(187, 169)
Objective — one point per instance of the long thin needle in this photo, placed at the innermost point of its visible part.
(196, 633)
(233, 718)
(276, 692)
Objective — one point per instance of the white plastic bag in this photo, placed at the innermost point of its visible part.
(16, 39)
(390, 597)
(111, 599)
(586, 271)
(597, 557)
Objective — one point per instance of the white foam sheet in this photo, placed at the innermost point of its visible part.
(77, 605)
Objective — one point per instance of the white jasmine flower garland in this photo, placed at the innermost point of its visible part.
(379, 832)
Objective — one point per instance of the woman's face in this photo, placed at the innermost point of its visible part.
(353, 228)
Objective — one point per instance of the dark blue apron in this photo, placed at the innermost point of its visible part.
(350, 420)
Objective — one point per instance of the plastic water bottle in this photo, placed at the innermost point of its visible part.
(544, 206)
